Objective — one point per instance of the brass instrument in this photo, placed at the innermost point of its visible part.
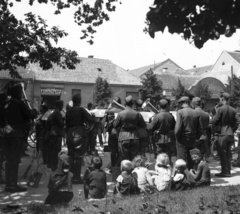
(115, 104)
(147, 105)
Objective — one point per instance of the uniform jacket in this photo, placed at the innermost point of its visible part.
(204, 122)
(128, 121)
(187, 123)
(163, 123)
(77, 116)
(17, 114)
(226, 118)
(55, 123)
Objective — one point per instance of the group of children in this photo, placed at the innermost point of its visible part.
(136, 177)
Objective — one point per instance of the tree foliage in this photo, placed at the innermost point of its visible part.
(197, 20)
(102, 92)
(233, 88)
(180, 91)
(151, 87)
(30, 41)
(202, 91)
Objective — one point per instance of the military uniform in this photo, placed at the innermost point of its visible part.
(202, 133)
(186, 131)
(226, 118)
(77, 138)
(113, 135)
(16, 114)
(55, 125)
(161, 126)
(128, 121)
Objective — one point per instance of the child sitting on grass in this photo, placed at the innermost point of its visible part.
(95, 180)
(60, 185)
(181, 178)
(140, 173)
(160, 178)
(200, 172)
(126, 182)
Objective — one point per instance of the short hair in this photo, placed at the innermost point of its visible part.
(139, 160)
(126, 165)
(180, 163)
(163, 159)
(76, 99)
(59, 104)
(97, 162)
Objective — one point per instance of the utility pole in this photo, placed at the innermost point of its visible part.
(231, 92)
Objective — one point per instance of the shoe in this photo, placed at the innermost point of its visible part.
(17, 188)
(77, 181)
(223, 175)
(236, 164)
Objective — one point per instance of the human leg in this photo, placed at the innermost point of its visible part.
(133, 149)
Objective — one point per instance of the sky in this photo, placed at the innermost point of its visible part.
(123, 41)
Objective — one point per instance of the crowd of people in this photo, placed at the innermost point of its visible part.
(128, 138)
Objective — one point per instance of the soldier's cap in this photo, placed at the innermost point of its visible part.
(196, 99)
(225, 95)
(128, 99)
(183, 99)
(195, 152)
(163, 102)
(139, 102)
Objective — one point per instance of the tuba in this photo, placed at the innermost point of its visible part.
(147, 105)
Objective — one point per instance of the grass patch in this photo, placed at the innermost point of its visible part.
(203, 200)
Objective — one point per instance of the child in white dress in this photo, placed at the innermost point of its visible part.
(161, 177)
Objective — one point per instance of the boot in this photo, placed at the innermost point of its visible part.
(77, 165)
(13, 184)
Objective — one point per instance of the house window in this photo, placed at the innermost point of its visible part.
(76, 91)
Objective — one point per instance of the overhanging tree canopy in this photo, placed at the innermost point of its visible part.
(197, 20)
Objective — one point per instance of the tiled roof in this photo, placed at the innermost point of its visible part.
(86, 72)
(235, 55)
(170, 81)
(140, 71)
(199, 70)
(24, 73)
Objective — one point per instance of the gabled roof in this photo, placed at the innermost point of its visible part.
(170, 81)
(199, 70)
(86, 72)
(235, 55)
(140, 71)
(24, 72)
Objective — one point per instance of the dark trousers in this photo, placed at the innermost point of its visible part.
(13, 150)
(224, 150)
(54, 149)
(128, 149)
(183, 151)
(164, 148)
(113, 146)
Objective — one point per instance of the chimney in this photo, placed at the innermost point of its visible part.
(90, 56)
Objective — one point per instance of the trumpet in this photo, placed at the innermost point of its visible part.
(149, 106)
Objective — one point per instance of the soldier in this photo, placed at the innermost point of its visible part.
(55, 124)
(128, 121)
(186, 131)
(76, 117)
(16, 114)
(226, 118)
(161, 126)
(113, 133)
(202, 140)
(143, 134)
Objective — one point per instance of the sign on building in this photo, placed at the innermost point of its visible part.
(51, 91)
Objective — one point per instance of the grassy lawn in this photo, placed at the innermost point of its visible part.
(212, 200)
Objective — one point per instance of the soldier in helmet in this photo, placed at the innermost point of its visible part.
(16, 114)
